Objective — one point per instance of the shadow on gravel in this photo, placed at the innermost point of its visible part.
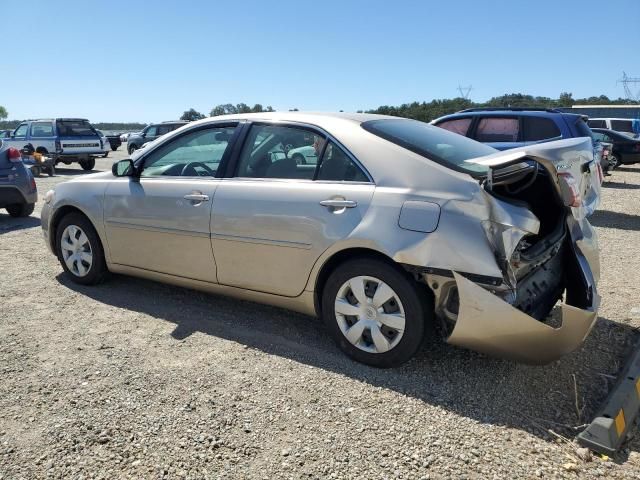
(622, 186)
(72, 172)
(562, 396)
(609, 219)
(10, 224)
(627, 169)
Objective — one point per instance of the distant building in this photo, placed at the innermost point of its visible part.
(605, 111)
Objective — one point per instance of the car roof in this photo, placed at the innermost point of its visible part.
(547, 113)
(321, 119)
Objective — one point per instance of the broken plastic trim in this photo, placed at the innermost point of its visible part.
(442, 272)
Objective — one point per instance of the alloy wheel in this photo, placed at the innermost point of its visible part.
(76, 250)
(370, 314)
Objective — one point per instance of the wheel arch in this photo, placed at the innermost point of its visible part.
(62, 212)
(321, 273)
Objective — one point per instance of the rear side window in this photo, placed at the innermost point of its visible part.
(498, 129)
(539, 128)
(597, 123)
(162, 129)
(433, 143)
(338, 167)
(622, 125)
(41, 129)
(459, 125)
(74, 128)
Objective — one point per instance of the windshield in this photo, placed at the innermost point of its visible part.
(74, 128)
(434, 143)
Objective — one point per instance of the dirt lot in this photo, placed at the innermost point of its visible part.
(134, 379)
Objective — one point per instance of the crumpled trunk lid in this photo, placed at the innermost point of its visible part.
(567, 161)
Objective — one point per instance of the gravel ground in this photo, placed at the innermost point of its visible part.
(134, 379)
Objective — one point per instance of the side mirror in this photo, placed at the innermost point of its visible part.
(123, 168)
(143, 134)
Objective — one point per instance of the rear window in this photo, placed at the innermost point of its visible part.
(74, 128)
(434, 143)
(622, 125)
(540, 128)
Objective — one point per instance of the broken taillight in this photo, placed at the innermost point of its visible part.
(569, 187)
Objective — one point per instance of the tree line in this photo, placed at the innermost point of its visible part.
(424, 111)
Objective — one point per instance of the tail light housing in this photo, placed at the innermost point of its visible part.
(14, 155)
(569, 188)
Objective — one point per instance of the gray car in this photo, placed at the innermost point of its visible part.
(399, 230)
(18, 192)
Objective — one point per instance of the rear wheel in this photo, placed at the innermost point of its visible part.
(614, 162)
(21, 209)
(375, 312)
(105, 155)
(88, 164)
(79, 250)
(114, 149)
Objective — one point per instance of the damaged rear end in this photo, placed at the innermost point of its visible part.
(539, 199)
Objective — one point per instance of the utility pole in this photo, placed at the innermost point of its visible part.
(627, 83)
(465, 91)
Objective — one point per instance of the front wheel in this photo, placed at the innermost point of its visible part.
(21, 209)
(114, 149)
(375, 312)
(79, 250)
(131, 149)
(89, 164)
(105, 155)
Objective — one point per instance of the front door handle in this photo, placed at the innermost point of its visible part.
(197, 197)
(335, 203)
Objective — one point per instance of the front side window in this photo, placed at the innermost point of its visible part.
(272, 151)
(151, 131)
(21, 131)
(540, 128)
(41, 129)
(431, 142)
(195, 154)
(498, 129)
(459, 125)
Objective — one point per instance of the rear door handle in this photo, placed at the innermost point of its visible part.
(197, 197)
(335, 203)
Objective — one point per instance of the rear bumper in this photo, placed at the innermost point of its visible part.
(488, 324)
(11, 195)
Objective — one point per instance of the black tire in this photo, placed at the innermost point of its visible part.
(132, 148)
(51, 170)
(98, 269)
(88, 165)
(105, 155)
(614, 162)
(35, 171)
(418, 309)
(21, 209)
(114, 149)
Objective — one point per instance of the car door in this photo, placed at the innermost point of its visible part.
(160, 221)
(274, 217)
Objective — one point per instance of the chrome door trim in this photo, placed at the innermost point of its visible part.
(147, 228)
(264, 241)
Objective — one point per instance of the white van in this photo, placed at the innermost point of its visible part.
(618, 124)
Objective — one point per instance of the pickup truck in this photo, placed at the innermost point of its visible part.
(66, 140)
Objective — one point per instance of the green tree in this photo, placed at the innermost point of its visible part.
(3, 113)
(191, 115)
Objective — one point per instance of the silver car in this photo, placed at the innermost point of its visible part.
(399, 230)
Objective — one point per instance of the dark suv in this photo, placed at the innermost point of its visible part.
(150, 133)
(18, 193)
(505, 128)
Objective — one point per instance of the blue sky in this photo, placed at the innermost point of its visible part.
(150, 61)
